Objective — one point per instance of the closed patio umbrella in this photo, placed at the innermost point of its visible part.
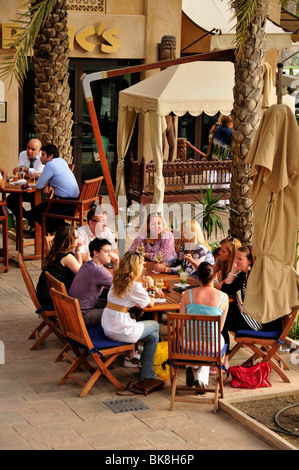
(273, 285)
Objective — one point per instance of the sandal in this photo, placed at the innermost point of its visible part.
(190, 379)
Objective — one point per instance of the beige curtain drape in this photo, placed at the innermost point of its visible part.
(125, 127)
(273, 284)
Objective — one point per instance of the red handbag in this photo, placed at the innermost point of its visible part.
(251, 376)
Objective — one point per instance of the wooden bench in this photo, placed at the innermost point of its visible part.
(183, 179)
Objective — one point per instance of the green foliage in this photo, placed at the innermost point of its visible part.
(212, 212)
(31, 21)
(294, 331)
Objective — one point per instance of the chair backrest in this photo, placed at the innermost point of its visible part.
(89, 191)
(90, 188)
(71, 166)
(288, 321)
(28, 282)
(194, 337)
(70, 318)
(53, 282)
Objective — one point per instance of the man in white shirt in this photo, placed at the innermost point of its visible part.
(96, 228)
(29, 163)
(30, 158)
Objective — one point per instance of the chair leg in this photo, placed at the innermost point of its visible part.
(41, 339)
(173, 386)
(35, 332)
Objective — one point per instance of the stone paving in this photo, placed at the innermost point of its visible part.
(38, 414)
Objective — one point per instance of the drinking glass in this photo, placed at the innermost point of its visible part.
(183, 277)
(159, 283)
(158, 256)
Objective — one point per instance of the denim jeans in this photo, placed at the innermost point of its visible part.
(150, 339)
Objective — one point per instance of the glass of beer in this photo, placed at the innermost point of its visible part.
(159, 284)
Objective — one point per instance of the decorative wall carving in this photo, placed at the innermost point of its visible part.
(87, 5)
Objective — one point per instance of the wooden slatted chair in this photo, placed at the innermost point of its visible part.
(49, 322)
(182, 329)
(265, 345)
(4, 249)
(89, 194)
(93, 343)
(60, 287)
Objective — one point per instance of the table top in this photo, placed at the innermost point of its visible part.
(16, 188)
(172, 297)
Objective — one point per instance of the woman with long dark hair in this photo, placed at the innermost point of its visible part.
(235, 282)
(63, 262)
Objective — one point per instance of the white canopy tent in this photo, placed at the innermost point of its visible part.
(194, 87)
(209, 14)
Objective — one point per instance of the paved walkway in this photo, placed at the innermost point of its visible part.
(37, 413)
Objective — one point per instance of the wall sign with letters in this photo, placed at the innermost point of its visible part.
(82, 37)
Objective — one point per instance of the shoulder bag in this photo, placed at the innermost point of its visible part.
(251, 376)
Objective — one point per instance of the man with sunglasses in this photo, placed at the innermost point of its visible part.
(96, 228)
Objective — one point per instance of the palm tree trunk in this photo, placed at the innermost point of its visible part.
(248, 93)
(53, 114)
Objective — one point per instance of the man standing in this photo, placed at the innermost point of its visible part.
(96, 228)
(57, 175)
(91, 280)
(29, 162)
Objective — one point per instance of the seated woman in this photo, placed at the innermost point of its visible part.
(155, 238)
(236, 281)
(204, 300)
(117, 323)
(227, 253)
(60, 262)
(194, 250)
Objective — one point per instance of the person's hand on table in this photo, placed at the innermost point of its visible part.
(161, 268)
(159, 292)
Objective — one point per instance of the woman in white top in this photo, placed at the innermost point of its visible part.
(117, 323)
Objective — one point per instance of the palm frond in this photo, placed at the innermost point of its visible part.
(31, 21)
(244, 12)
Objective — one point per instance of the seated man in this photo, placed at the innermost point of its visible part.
(57, 175)
(29, 162)
(96, 228)
(91, 280)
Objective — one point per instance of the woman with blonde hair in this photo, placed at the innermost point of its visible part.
(63, 262)
(227, 254)
(126, 292)
(155, 237)
(194, 250)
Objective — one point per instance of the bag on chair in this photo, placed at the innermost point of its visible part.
(251, 377)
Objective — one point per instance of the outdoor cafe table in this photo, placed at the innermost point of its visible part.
(16, 189)
(172, 297)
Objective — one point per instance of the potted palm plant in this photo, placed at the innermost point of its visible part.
(212, 212)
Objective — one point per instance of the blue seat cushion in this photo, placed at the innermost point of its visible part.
(275, 334)
(99, 340)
